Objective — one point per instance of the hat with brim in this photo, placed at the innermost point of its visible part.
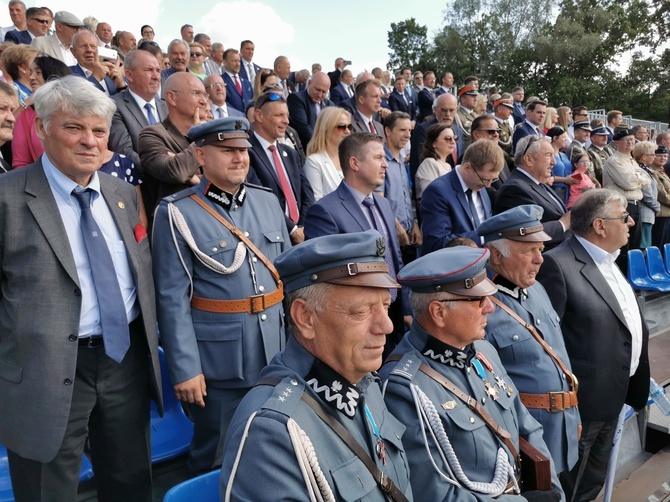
(232, 132)
(522, 223)
(64, 17)
(459, 270)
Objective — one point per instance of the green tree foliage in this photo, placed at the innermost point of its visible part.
(408, 42)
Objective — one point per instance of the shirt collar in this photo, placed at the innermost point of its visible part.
(140, 100)
(358, 196)
(62, 184)
(521, 170)
(597, 254)
(390, 157)
(264, 143)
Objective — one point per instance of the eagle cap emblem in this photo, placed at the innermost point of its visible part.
(381, 247)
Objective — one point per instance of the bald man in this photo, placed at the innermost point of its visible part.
(304, 106)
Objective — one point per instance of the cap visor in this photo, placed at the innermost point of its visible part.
(235, 143)
(372, 280)
(484, 288)
(540, 236)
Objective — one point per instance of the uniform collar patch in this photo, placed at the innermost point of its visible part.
(333, 388)
(448, 355)
(225, 199)
(509, 288)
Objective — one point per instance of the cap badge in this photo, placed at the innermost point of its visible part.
(381, 247)
(238, 124)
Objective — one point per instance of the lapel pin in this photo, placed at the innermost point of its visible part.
(284, 154)
(122, 205)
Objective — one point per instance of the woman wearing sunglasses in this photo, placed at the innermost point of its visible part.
(440, 142)
(197, 60)
(322, 166)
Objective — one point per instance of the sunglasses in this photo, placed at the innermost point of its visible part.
(270, 96)
(196, 54)
(623, 218)
(533, 139)
(480, 299)
(41, 21)
(450, 139)
(491, 132)
(343, 127)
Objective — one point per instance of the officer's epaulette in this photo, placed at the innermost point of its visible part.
(260, 187)
(285, 397)
(182, 194)
(408, 366)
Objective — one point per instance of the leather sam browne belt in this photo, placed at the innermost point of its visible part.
(552, 402)
(250, 305)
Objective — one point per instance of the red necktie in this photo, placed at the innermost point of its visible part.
(285, 186)
(238, 85)
(372, 127)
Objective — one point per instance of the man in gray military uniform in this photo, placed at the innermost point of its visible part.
(599, 151)
(219, 297)
(503, 109)
(450, 389)
(316, 427)
(535, 358)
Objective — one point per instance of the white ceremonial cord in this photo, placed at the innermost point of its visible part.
(503, 470)
(233, 472)
(176, 246)
(211, 263)
(315, 481)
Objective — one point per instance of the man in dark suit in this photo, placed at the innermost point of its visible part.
(455, 204)
(217, 90)
(277, 166)
(248, 68)
(447, 86)
(426, 96)
(37, 25)
(519, 113)
(398, 100)
(534, 159)
(334, 75)
(143, 74)
(344, 89)
(239, 91)
(368, 104)
(167, 154)
(282, 68)
(603, 327)
(354, 207)
(85, 50)
(79, 343)
(305, 106)
(532, 125)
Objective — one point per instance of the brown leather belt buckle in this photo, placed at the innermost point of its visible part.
(554, 408)
(257, 303)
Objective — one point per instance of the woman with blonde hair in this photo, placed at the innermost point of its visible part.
(322, 166)
(564, 119)
(197, 61)
(264, 78)
(550, 119)
(17, 61)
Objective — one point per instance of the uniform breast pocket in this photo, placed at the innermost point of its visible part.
(223, 251)
(391, 432)
(352, 480)
(516, 344)
(469, 437)
(275, 240)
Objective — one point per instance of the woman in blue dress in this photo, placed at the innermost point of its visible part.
(563, 169)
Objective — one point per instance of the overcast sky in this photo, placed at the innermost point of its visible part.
(305, 32)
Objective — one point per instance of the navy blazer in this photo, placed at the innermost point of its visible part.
(76, 70)
(261, 172)
(425, 102)
(243, 70)
(519, 113)
(302, 116)
(446, 214)
(522, 131)
(397, 104)
(18, 37)
(233, 98)
(338, 94)
(340, 213)
(520, 189)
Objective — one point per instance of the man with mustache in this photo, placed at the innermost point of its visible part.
(543, 377)
(8, 102)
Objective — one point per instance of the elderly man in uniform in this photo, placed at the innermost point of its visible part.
(449, 388)
(525, 330)
(316, 427)
(467, 99)
(503, 109)
(219, 297)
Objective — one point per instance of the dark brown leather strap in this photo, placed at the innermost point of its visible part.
(383, 480)
(240, 235)
(470, 401)
(351, 269)
(553, 402)
(572, 379)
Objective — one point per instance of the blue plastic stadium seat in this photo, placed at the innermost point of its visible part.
(204, 488)
(638, 275)
(170, 435)
(6, 493)
(666, 256)
(655, 265)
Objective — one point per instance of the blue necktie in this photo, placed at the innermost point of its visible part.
(113, 317)
(150, 114)
(473, 208)
(381, 228)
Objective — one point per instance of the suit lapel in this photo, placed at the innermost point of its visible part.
(135, 111)
(352, 207)
(258, 148)
(460, 196)
(595, 278)
(46, 213)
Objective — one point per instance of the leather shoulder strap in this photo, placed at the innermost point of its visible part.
(572, 380)
(240, 235)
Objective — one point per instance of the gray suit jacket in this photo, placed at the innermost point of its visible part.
(48, 45)
(40, 308)
(127, 124)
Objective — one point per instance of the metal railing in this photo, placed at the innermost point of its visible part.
(601, 114)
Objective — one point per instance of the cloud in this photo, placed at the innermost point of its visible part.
(232, 22)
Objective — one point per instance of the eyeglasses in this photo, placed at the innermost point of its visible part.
(342, 127)
(41, 21)
(623, 218)
(533, 139)
(198, 94)
(490, 132)
(196, 54)
(480, 299)
(484, 181)
(217, 85)
(450, 139)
